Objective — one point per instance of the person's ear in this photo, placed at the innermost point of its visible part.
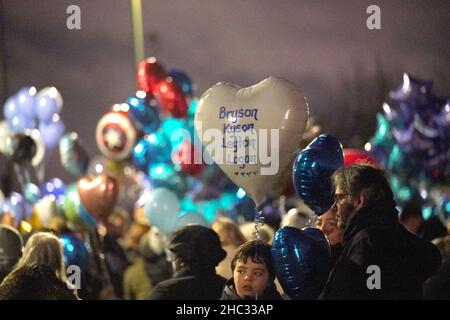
(361, 201)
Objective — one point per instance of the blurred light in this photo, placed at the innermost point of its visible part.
(423, 194)
(141, 94)
(368, 146)
(25, 226)
(426, 213)
(98, 168)
(406, 83)
(240, 193)
(386, 108)
(70, 247)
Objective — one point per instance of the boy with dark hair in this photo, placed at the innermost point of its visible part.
(253, 274)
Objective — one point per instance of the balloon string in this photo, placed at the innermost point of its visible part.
(259, 222)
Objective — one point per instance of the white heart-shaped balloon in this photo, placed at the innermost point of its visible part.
(253, 133)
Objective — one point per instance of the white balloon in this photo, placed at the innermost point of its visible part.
(53, 93)
(239, 115)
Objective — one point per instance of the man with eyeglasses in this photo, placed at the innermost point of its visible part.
(380, 259)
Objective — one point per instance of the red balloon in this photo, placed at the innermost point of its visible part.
(98, 195)
(171, 98)
(187, 159)
(354, 156)
(149, 74)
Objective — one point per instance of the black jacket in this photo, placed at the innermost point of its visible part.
(189, 284)
(375, 237)
(229, 292)
(35, 283)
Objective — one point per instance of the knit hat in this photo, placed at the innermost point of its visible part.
(197, 245)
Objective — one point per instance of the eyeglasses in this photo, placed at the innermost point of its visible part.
(339, 196)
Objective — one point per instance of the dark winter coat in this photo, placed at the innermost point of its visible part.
(375, 237)
(35, 283)
(188, 284)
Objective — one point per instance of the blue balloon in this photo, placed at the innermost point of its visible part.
(173, 129)
(86, 217)
(10, 108)
(187, 205)
(75, 251)
(302, 261)
(191, 218)
(55, 187)
(183, 81)
(20, 123)
(152, 148)
(52, 131)
(312, 171)
(163, 175)
(144, 112)
(47, 107)
(27, 102)
(16, 206)
(162, 209)
(72, 154)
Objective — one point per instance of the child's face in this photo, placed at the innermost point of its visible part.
(250, 279)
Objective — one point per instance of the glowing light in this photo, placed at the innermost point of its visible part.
(240, 193)
(368, 146)
(98, 168)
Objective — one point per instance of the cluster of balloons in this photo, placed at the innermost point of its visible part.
(29, 109)
(412, 142)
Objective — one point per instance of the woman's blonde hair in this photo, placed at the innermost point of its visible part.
(43, 249)
(228, 232)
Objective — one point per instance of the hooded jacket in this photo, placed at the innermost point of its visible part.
(229, 292)
(377, 247)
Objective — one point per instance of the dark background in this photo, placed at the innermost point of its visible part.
(344, 69)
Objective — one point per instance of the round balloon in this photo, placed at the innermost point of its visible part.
(233, 124)
(72, 205)
(149, 74)
(354, 156)
(143, 110)
(161, 209)
(73, 155)
(56, 188)
(20, 148)
(191, 218)
(171, 98)
(115, 135)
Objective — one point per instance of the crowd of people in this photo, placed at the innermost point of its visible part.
(231, 262)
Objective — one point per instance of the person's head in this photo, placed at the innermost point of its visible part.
(117, 223)
(134, 235)
(359, 186)
(43, 249)
(11, 245)
(253, 269)
(328, 224)
(196, 247)
(411, 216)
(228, 231)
